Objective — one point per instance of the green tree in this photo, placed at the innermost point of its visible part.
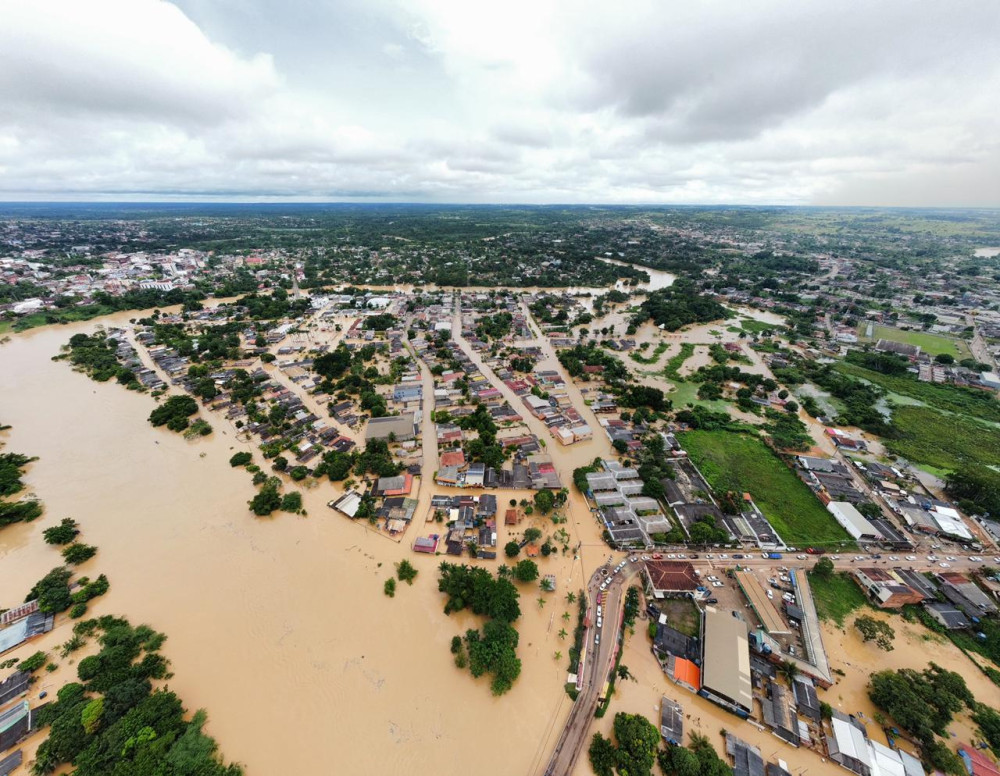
(544, 500)
(526, 571)
(824, 568)
(875, 630)
(63, 533)
(389, 588)
(406, 572)
(511, 549)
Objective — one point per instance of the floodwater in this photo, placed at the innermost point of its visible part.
(279, 626)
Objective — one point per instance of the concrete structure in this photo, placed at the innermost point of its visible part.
(726, 661)
(886, 589)
(402, 427)
(763, 606)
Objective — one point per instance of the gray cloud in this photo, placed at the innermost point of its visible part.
(443, 100)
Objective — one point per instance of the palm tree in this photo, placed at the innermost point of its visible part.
(541, 602)
(558, 656)
(562, 633)
(565, 615)
(570, 597)
(788, 669)
(504, 571)
(624, 673)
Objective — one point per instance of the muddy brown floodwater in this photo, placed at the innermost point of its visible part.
(278, 627)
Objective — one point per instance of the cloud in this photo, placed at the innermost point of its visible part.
(538, 101)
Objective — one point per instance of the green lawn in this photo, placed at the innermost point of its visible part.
(836, 597)
(744, 464)
(943, 441)
(930, 343)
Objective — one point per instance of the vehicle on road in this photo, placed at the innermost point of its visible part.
(597, 638)
(893, 558)
(975, 559)
(944, 565)
(950, 559)
(911, 557)
(800, 557)
(713, 601)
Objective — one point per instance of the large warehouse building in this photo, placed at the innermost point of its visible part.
(726, 662)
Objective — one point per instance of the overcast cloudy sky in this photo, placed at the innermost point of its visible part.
(891, 102)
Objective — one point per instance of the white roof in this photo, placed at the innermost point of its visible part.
(852, 520)
(949, 522)
(851, 741)
(887, 762)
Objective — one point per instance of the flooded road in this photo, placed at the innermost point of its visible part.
(279, 627)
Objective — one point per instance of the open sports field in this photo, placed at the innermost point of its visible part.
(933, 344)
(744, 464)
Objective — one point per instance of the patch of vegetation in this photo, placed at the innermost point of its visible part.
(943, 441)
(174, 412)
(949, 398)
(699, 758)
(64, 533)
(879, 631)
(651, 359)
(78, 553)
(740, 463)
(923, 704)
(492, 650)
(112, 721)
(678, 305)
(96, 356)
(633, 750)
(932, 344)
(836, 596)
(675, 362)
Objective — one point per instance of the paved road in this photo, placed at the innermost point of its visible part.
(595, 666)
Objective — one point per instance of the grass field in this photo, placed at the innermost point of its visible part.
(743, 463)
(943, 441)
(836, 597)
(951, 398)
(754, 326)
(929, 343)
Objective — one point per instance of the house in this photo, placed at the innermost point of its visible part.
(976, 762)
(671, 721)
(426, 544)
(667, 579)
(947, 615)
(886, 589)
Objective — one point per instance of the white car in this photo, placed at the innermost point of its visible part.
(944, 565)
(893, 558)
(600, 623)
(834, 557)
(716, 584)
(911, 557)
(975, 559)
(932, 558)
(672, 557)
(723, 556)
(950, 559)
(597, 638)
(799, 557)
(710, 556)
(859, 557)
(645, 557)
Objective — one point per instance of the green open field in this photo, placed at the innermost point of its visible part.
(933, 344)
(950, 398)
(743, 463)
(943, 441)
(836, 597)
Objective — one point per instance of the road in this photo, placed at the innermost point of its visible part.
(595, 667)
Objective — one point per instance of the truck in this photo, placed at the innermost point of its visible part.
(774, 555)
